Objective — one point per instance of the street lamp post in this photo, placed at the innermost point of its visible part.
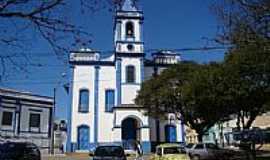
(53, 115)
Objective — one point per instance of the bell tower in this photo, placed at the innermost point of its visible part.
(128, 29)
(129, 52)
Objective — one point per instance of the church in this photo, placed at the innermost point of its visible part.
(103, 89)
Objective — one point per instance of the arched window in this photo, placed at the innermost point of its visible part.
(129, 29)
(84, 100)
(130, 74)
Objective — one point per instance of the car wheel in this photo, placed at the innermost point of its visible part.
(196, 157)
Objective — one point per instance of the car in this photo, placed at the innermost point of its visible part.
(108, 153)
(170, 152)
(209, 151)
(188, 147)
(19, 151)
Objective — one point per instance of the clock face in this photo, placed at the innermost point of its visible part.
(130, 47)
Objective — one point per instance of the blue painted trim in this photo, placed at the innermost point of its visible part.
(74, 147)
(134, 74)
(130, 42)
(146, 146)
(130, 17)
(93, 63)
(96, 104)
(118, 126)
(128, 54)
(142, 70)
(135, 84)
(80, 107)
(118, 80)
(69, 145)
(109, 107)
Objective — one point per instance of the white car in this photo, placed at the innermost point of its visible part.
(209, 151)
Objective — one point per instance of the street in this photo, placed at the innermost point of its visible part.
(78, 157)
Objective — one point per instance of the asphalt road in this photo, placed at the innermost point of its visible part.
(78, 157)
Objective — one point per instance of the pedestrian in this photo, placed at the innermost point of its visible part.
(139, 151)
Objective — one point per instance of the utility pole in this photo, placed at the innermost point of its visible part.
(52, 121)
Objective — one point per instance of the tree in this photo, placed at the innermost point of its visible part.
(242, 20)
(192, 91)
(249, 69)
(246, 28)
(23, 19)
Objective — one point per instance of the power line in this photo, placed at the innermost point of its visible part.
(105, 52)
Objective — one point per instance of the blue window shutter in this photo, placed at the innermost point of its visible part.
(84, 101)
(109, 100)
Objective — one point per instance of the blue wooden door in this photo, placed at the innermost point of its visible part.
(170, 133)
(83, 137)
(129, 129)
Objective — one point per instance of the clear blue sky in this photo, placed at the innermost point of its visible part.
(171, 24)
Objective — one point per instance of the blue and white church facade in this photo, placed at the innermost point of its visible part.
(103, 90)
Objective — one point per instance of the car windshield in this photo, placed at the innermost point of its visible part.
(109, 151)
(211, 146)
(189, 145)
(173, 150)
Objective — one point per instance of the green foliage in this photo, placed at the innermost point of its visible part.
(204, 95)
(249, 68)
(189, 90)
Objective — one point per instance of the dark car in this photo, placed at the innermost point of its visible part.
(19, 151)
(109, 153)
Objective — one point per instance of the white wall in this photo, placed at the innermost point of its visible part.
(107, 81)
(83, 78)
(129, 91)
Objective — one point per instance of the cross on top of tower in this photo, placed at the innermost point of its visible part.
(129, 5)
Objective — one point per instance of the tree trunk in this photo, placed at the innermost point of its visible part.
(238, 122)
(250, 121)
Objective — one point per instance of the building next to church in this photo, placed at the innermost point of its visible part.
(103, 90)
(25, 117)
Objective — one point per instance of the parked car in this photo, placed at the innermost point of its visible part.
(188, 147)
(19, 151)
(108, 153)
(209, 151)
(170, 152)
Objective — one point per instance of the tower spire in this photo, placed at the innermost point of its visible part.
(129, 5)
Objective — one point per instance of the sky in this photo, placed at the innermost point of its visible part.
(170, 24)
